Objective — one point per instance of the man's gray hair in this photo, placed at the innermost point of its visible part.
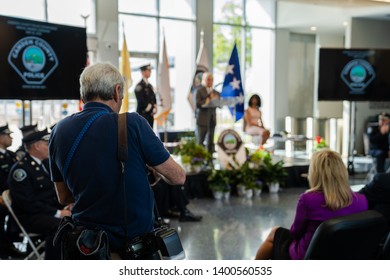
(99, 81)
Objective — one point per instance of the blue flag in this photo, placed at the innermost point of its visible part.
(232, 85)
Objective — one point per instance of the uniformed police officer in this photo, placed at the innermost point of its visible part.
(7, 159)
(33, 194)
(146, 97)
(26, 130)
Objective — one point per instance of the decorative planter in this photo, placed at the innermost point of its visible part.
(256, 192)
(249, 193)
(273, 187)
(241, 189)
(192, 168)
(218, 195)
(196, 168)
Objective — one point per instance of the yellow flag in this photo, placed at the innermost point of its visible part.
(164, 88)
(126, 73)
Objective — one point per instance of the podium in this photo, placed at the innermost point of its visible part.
(219, 103)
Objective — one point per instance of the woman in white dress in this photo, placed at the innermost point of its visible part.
(253, 123)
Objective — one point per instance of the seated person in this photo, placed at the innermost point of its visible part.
(171, 201)
(7, 159)
(26, 130)
(33, 195)
(377, 193)
(253, 122)
(329, 196)
(379, 143)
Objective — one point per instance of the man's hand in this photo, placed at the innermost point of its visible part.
(64, 213)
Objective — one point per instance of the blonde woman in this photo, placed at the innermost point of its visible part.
(329, 196)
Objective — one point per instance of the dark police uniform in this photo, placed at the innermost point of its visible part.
(32, 190)
(26, 130)
(145, 95)
(34, 198)
(7, 159)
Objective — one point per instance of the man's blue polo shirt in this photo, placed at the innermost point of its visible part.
(94, 174)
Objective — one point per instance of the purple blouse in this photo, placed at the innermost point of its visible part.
(310, 213)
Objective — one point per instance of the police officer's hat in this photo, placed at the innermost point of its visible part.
(36, 136)
(5, 130)
(28, 129)
(384, 116)
(146, 67)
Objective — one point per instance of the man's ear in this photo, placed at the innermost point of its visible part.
(116, 93)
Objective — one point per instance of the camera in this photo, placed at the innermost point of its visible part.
(162, 243)
(169, 244)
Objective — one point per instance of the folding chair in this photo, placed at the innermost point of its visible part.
(26, 235)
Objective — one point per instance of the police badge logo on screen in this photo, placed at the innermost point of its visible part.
(33, 59)
(357, 75)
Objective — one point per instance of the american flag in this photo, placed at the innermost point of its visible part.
(232, 85)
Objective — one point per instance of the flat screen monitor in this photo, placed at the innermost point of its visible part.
(40, 60)
(354, 75)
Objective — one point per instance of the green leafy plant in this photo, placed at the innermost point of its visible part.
(260, 157)
(218, 180)
(191, 152)
(275, 172)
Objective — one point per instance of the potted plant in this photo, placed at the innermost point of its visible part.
(259, 158)
(193, 155)
(245, 178)
(274, 175)
(319, 143)
(218, 182)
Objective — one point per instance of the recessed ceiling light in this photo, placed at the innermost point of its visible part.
(313, 28)
(385, 1)
(345, 23)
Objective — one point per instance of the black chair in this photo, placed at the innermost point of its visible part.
(385, 254)
(352, 237)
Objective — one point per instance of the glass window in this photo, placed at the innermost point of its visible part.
(259, 73)
(146, 7)
(230, 11)
(178, 8)
(30, 9)
(224, 37)
(141, 33)
(180, 43)
(255, 48)
(260, 13)
(73, 12)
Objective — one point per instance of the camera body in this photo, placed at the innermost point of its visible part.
(162, 243)
(169, 244)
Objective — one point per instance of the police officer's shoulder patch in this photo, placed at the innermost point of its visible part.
(19, 175)
(138, 88)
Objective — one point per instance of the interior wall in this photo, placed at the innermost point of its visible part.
(281, 109)
(294, 78)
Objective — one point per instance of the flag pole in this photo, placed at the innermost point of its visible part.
(165, 123)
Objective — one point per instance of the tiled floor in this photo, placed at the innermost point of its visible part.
(233, 229)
